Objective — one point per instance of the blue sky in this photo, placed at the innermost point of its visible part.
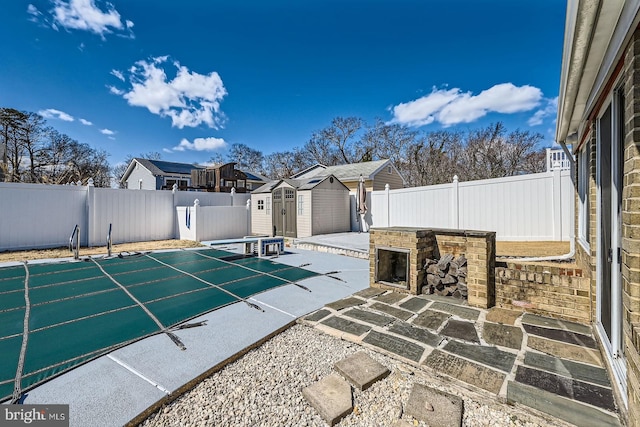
(189, 78)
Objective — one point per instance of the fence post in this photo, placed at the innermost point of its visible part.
(248, 233)
(455, 203)
(90, 213)
(387, 196)
(233, 194)
(194, 220)
(176, 222)
(557, 205)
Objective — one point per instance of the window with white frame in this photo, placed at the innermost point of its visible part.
(300, 204)
(268, 206)
(260, 205)
(584, 157)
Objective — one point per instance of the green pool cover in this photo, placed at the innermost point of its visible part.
(77, 311)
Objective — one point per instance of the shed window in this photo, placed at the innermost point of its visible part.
(260, 205)
(584, 158)
(389, 169)
(268, 209)
(289, 193)
(300, 205)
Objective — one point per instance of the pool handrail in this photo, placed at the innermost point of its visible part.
(75, 249)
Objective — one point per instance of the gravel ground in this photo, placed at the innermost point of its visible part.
(264, 388)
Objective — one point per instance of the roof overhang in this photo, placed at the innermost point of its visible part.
(596, 32)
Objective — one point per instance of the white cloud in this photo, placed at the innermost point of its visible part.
(85, 122)
(450, 107)
(189, 99)
(51, 113)
(107, 132)
(551, 109)
(201, 144)
(118, 74)
(34, 12)
(114, 90)
(83, 15)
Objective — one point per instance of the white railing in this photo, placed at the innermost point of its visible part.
(557, 160)
(40, 216)
(520, 208)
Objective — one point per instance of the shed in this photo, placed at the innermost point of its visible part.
(376, 174)
(301, 207)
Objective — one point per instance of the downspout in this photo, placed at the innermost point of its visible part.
(571, 139)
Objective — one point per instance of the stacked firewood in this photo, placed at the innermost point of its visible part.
(446, 276)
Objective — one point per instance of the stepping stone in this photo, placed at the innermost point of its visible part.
(560, 335)
(318, 315)
(466, 371)
(486, 355)
(415, 333)
(361, 370)
(369, 317)
(347, 326)
(464, 312)
(565, 409)
(393, 311)
(503, 316)
(434, 407)
(446, 300)
(414, 304)
(462, 330)
(567, 368)
(331, 397)
(502, 335)
(573, 389)
(533, 319)
(391, 297)
(565, 351)
(430, 319)
(395, 345)
(345, 303)
(369, 292)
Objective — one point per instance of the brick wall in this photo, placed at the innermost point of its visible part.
(551, 291)
(631, 225)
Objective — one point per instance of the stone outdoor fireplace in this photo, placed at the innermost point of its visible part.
(397, 258)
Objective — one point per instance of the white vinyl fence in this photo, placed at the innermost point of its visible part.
(41, 216)
(531, 207)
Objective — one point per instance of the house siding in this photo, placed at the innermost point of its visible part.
(383, 177)
(141, 173)
(261, 222)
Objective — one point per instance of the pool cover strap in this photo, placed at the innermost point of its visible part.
(255, 271)
(250, 304)
(171, 335)
(17, 389)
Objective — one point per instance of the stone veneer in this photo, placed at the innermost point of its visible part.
(477, 246)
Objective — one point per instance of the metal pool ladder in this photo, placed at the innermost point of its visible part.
(75, 238)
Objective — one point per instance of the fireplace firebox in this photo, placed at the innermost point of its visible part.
(392, 267)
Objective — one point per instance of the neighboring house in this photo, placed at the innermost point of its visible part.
(598, 110)
(255, 180)
(301, 207)
(145, 174)
(219, 179)
(376, 174)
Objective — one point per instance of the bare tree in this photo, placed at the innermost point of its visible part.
(336, 144)
(284, 164)
(246, 158)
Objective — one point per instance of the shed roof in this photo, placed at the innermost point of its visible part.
(350, 172)
(298, 184)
